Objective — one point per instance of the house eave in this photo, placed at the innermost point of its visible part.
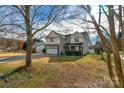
(73, 44)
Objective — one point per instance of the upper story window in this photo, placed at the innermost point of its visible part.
(76, 39)
(51, 39)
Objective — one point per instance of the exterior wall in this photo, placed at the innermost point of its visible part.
(62, 42)
(85, 46)
(55, 41)
(56, 38)
(92, 51)
(39, 49)
(39, 46)
(76, 35)
(70, 39)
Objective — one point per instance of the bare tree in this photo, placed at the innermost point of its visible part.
(118, 65)
(31, 19)
(120, 17)
(108, 45)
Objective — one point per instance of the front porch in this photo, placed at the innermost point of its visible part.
(73, 49)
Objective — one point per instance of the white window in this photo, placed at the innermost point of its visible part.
(51, 39)
(76, 39)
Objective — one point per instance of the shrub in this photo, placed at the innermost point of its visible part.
(73, 53)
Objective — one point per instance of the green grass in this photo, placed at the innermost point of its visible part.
(61, 71)
(64, 58)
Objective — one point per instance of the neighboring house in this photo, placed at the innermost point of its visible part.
(98, 47)
(11, 41)
(11, 44)
(91, 50)
(38, 46)
(61, 44)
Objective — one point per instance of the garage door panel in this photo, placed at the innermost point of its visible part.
(52, 50)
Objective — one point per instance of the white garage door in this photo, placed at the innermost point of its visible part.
(52, 50)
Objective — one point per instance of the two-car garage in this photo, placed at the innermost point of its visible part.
(53, 50)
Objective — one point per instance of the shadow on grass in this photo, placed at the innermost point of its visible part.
(19, 69)
(64, 58)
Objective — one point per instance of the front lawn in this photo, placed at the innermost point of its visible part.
(59, 71)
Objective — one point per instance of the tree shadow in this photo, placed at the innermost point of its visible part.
(64, 58)
(19, 69)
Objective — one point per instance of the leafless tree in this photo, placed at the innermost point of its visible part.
(118, 79)
(120, 17)
(31, 19)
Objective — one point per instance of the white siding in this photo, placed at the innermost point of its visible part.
(56, 38)
(85, 46)
(77, 35)
(39, 49)
(62, 42)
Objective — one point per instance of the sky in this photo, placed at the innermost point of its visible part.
(70, 27)
(63, 25)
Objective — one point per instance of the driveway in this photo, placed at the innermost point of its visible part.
(17, 58)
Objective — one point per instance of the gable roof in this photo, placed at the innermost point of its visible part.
(67, 35)
(55, 33)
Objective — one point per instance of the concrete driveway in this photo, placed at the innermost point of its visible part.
(17, 58)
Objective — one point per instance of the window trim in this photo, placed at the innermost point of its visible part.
(51, 39)
(76, 39)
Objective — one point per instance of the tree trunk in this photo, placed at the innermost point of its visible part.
(29, 50)
(122, 29)
(110, 69)
(29, 36)
(119, 82)
(122, 34)
(101, 53)
(118, 66)
(119, 38)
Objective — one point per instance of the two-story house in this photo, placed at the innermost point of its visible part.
(60, 44)
(55, 43)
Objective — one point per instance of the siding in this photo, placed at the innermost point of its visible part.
(85, 46)
(76, 35)
(56, 38)
(60, 40)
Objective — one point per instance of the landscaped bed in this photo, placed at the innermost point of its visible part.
(59, 71)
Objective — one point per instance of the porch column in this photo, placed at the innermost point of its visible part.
(82, 49)
(79, 48)
(69, 47)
